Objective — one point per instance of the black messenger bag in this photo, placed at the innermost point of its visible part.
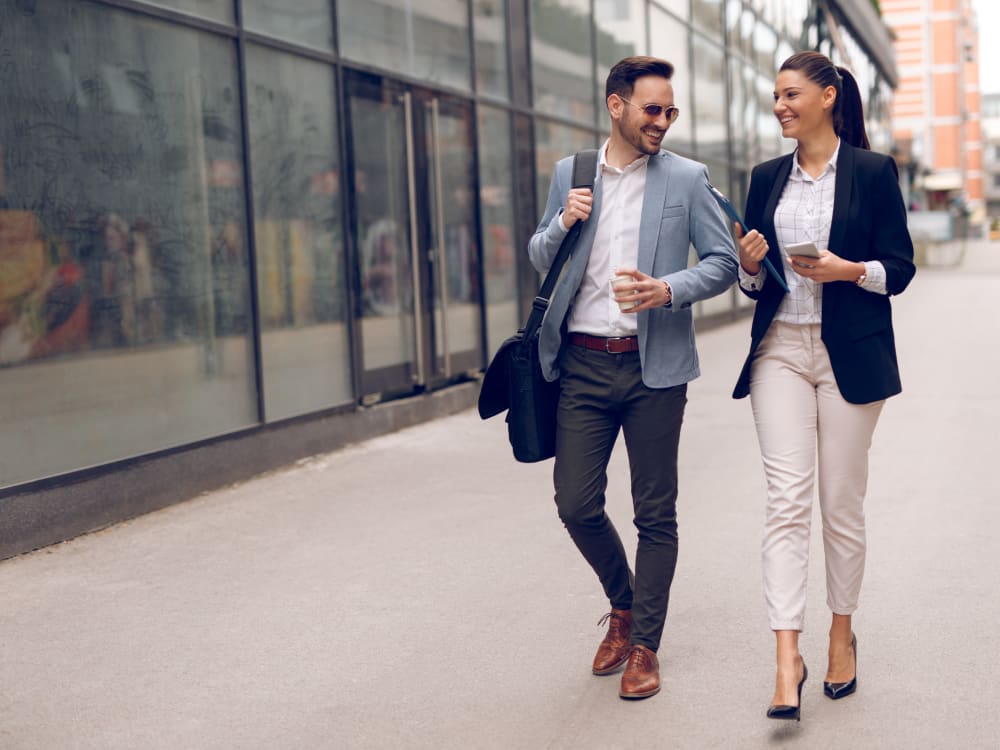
(513, 381)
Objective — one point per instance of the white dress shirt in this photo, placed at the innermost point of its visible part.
(616, 245)
(804, 214)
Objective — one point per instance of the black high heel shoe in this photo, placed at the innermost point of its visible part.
(790, 713)
(837, 690)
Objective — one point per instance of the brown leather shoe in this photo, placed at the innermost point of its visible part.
(641, 677)
(613, 651)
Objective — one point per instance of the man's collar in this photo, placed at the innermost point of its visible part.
(603, 160)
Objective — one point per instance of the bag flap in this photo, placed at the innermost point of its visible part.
(494, 394)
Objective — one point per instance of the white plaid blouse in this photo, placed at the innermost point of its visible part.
(804, 214)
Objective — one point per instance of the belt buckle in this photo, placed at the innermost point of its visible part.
(607, 344)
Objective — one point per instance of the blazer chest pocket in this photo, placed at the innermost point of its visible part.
(672, 212)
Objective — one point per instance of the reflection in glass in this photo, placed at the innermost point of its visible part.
(765, 42)
(497, 211)
(680, 8)
(768, 129)
(450, 187)
(669, 40)
(710, 100)
(747, 22)
(739, 124)
(732, 18)
(552, 143)
(122, 240)
(561, 56)
(305, 351)
(621, 32)
(490, 24)
(381, 225)
(425, 39)
(220, 10)
(307, 22)
(707, 15)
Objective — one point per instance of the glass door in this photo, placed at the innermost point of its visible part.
(449, 181)
(414, 227)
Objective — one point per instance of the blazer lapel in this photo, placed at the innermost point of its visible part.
(843, 185)
(657, 178)
(768, 230)
(841, 198)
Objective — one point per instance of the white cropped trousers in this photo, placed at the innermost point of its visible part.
(806, 431)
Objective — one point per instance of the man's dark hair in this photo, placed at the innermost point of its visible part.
(624, 74)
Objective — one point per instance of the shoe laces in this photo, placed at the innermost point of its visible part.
(639, 658)
(616, 625)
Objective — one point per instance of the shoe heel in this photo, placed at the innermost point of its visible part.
(790, 713)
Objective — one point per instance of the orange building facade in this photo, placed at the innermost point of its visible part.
(937, 109)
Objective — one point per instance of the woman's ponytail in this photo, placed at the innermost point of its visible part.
(848, 113)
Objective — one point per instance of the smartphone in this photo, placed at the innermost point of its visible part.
(802, 248)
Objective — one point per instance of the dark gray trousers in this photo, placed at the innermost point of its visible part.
(601, 394)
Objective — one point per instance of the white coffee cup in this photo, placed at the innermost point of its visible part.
(623, 279)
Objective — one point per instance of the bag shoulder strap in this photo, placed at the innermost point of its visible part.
(584, 170)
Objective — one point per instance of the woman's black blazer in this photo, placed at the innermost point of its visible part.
(869, 223)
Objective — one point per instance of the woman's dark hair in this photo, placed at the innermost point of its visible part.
(848, 114)
(624, 74)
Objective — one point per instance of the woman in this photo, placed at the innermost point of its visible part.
(822, 357)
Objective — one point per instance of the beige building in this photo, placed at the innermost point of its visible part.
(936, 109)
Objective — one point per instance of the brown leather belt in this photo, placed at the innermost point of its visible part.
(615, 345)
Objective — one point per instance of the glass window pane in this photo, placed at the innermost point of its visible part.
(450, 185)
(707, 15)
(734, 12)
(680, 8)
(219, 10)
(305, 350)
(621, 32)
(490, 24)
(768, 129)
(710, 131)
(307, 22)
(562, 58)
(740, 126)
(496, 208)
(552, 143)
(124, 300)
(669, 40)
(765, 42)
(426, 39)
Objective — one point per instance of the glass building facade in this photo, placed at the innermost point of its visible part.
(226, 216)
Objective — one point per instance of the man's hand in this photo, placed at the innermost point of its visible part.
(647, 291)
(579, 202)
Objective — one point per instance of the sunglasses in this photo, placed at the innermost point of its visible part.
(655, 110)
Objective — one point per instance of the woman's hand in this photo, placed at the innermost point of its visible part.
(827, 267)
(753, 248)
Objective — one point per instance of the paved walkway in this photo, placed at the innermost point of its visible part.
(417, 591)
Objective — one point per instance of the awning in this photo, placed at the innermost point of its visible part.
(941, 181)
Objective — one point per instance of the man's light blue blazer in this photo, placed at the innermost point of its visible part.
(677, 211)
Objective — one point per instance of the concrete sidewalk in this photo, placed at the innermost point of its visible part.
(418, 591)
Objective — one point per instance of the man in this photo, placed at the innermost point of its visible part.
(628, 369)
